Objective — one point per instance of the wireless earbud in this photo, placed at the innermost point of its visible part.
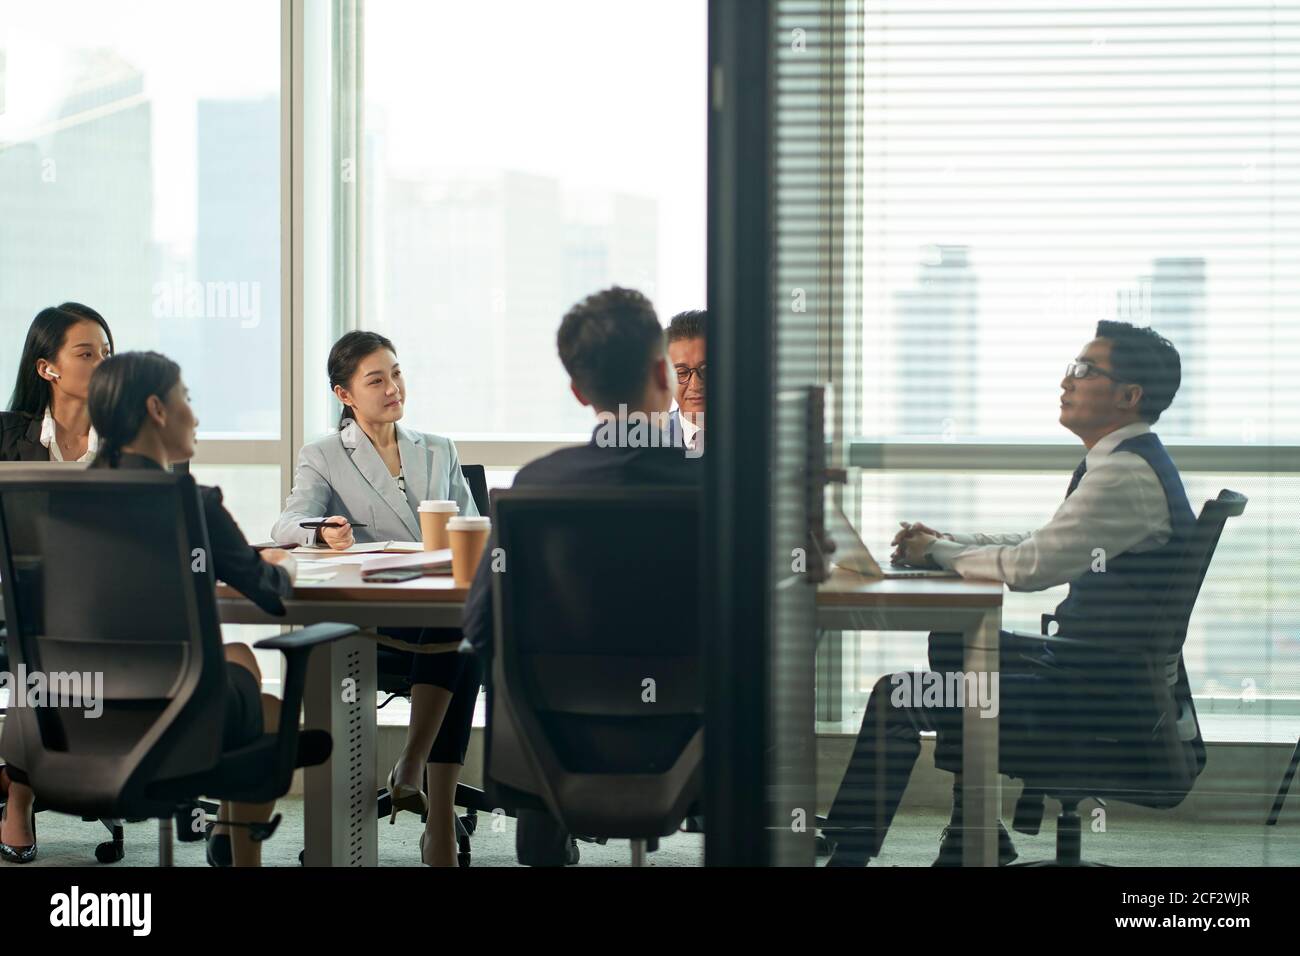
(53, 374)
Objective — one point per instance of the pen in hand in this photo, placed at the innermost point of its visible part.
(313, 525)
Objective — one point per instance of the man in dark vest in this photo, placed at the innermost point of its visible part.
(1114, 541)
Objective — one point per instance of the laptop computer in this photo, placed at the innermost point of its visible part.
(852, 553)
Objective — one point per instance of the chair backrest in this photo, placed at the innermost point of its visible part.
(108, 584)
(1173, 612)
(597, 691)
(1145, 744)
(476, 478)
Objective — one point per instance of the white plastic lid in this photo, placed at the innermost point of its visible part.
(439, 506)
(465, 523)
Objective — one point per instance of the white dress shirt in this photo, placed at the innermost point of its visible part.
(689, 430)
(1118, 506)
(48, 440)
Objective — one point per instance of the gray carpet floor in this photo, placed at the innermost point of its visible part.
(66, 841)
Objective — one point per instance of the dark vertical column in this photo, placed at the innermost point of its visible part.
(738, 518)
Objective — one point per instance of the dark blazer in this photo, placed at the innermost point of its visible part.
(539, 839)
(20, 438)
(233, 558)
(589, 464)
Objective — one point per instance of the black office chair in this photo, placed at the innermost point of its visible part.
(1284, 786)
(393, 672)
(596, 700)
(1136, 739)
(106, 572)
(111, 850)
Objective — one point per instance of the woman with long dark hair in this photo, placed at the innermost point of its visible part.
(374, 471)
(140, 409)
(47, 418)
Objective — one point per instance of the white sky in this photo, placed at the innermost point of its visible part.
(606, 94)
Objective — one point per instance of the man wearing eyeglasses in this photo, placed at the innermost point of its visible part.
(1114, 540)
(686, 353)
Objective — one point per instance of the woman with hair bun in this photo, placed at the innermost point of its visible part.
(374, 471)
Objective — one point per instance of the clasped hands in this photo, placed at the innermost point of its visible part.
(911, 543)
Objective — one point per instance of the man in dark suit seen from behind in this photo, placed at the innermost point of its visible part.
(612, 347)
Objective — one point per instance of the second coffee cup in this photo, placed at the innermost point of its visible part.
(469, 536)
(433, 523)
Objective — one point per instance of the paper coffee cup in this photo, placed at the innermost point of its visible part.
(469, 536)
(433, 523)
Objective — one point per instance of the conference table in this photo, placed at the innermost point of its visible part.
(341, 825)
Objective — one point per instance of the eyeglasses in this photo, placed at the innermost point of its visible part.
(1086, 370)
(684, 373)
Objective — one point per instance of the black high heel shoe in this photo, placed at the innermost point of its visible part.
(17, 854)
(219, 851)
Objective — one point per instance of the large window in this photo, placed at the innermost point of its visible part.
(140, 174)
(1031, 168)
(518, 156)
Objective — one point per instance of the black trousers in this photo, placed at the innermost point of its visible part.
(458, 673)
(1030, 707)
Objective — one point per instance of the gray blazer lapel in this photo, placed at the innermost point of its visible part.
(374, 470)
(415, 466)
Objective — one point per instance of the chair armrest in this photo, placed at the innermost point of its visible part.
(1093, 644)
(297, 647)
(307, 637)
(1101, 644)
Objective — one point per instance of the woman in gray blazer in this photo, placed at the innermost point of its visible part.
(375, 472)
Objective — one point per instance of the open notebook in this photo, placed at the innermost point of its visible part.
(425, 562)
(365, 547)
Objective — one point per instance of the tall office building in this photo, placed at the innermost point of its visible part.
(1171, 300)
(1178, 313)
(485, 267)
(610, 239)
(937, 331)
(76, 207)
(228, 338)
(937, 353)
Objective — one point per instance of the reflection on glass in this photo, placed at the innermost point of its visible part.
(580, 166)
(1028, 172)
(139, 173)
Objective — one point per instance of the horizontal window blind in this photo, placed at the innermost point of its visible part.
(1030, 168)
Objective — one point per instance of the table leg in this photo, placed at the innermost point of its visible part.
(981, 785)
(340, 796)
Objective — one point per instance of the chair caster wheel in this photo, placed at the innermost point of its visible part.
(302, 856)
(462, 859)
(824, 845)
(110, 852)
(470, 823)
